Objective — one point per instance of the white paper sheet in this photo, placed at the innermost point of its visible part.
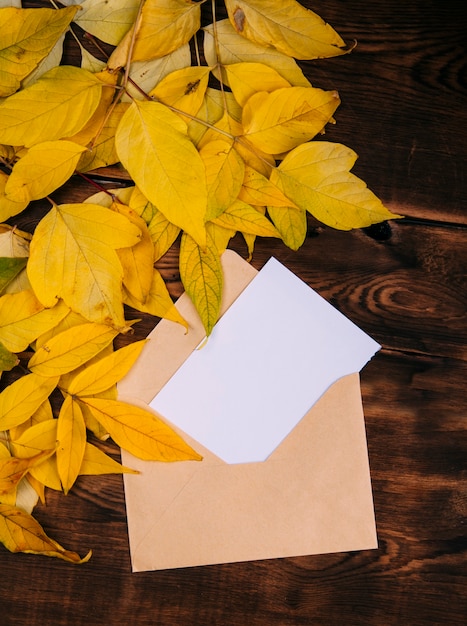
(272, 355)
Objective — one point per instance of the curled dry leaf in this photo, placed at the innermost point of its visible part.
(12, 469)
(19, 532)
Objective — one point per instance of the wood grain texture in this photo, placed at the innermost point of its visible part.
(404, 111)
(403, 92)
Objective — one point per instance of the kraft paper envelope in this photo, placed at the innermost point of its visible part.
(311, 495)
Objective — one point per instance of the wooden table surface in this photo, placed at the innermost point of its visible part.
(404, 111)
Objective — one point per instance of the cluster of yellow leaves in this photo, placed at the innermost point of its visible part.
(214, 148)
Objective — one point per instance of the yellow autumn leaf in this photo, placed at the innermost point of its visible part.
(220, 236)
(28, 493)
(246, 219)
(291, 223)
(9, 498)
(183, 89)
(72, 256)
(20, 532)
(106, 372)
(45, 168)
(93, 425)
(108, 20)
(258, 190)
(14, 243)
(10, 268)
(246, 79)
(137, 261)
(279, 121)
(316, 177)
(153, 146)
(71, 348)
(158, 302)
(4, 452)
(147, 74)
(163, 234)
(34, 439)
(139, 431)
(165, 25)
(287, 26)
(233, 48)
(53, 59)
(9, 207)
(224, 175)
(202, 278)
(98, 119)
(22, 398)
(23, 497)
(90, 62)
(250, 238)
(57, 105)
(96, 462)
(71, 436)
(13, 469)
(26, 38)
(8, 360)
(23, 319)
(254, 157)
(42, 414)
(16, 308)
(231, 130)
(109, 196)
(226, 128)
(8, 153)
(215, 104)
(69, 321)
(37, 438)
(138, 202)
(102, 152)
(67, 378)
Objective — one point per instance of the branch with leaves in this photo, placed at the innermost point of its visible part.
(221, 145)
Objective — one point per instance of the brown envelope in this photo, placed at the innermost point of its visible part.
(311, 496)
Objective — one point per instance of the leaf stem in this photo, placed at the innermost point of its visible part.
(132, 43)
(198, 56)
(95, 184)
(6, 163)
(5, 437)
(95, 43)
(217, 53)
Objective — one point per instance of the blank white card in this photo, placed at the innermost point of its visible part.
(270, 357)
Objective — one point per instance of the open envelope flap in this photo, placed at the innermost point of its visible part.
(311, 496)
